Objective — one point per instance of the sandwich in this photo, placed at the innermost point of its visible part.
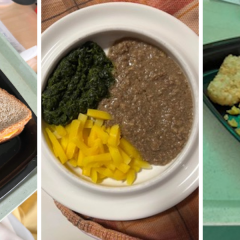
(225, 87)
(14, 115)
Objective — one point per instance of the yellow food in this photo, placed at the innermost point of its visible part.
(99, 151)
(57, 147)
(225, 87)
(237, 131)
(233, 123)
(234, 111)
(10, 134)
(225, 117)
(98, 114)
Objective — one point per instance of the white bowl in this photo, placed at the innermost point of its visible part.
(105, 35)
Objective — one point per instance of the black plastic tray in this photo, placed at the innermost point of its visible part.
(18, 157)
(213, 56)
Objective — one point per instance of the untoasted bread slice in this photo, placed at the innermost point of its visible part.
(14, 115)
(225, 87)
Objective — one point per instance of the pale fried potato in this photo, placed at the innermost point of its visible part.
(225, 87)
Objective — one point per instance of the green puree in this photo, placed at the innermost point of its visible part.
(80, 81)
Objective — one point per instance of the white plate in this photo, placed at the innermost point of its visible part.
(181, 177)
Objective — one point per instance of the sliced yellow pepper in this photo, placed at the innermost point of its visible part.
(99, 114)
(61, 131)
(105, 157)
(88, 124)
(71, 148)
(99, 151)
(114, 138)
(99, 122)
(57, 146)
(73, 162)
(131, 176)
(116, 155)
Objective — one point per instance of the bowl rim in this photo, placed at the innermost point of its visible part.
(175, 164)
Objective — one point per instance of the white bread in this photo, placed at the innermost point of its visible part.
(14, 115)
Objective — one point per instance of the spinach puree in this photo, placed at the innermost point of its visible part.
(80, 81)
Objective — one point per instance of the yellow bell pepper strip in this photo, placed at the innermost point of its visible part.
(100, 134)
(141, 163)
(99, 122)
(71, 148)
(114, 136)
(75, 124)
(125, 157)
(105, 157)
(86, 171)
(73, 162)
(88, 124)
(80, 158)
(82, 118)
(118, 175)
(64, 143)
(94, 176)
(116, 155)
(99, 114)
(57, 146)
(131, 177)
(123, 167)
(128, 148)
(60, 130)
(105, 172)
(68, 128)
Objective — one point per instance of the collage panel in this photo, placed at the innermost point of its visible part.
(18, 120)
(221, 119)
(119, 131)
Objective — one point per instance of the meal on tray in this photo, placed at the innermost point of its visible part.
(14, 115)
(225, 90)
(114, 115)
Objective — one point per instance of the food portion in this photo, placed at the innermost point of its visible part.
(99, 151)
(14, 115)
(225, 90)
(233, 118)
(80, 81)
(225, 87)
(139, 110)
(151, 100)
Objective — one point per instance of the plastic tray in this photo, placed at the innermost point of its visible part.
(17, 156)
(213, 56)
(221, 151)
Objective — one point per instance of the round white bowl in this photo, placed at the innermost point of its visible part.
(105, 35)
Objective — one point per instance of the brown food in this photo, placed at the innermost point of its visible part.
(14, 115)
(151, 100)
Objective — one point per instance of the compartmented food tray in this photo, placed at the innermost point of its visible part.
(18, 157)
(213, 56)
(221, 189)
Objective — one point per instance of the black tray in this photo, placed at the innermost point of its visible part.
(18, 157)
(213, 56)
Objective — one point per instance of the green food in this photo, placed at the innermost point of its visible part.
(80, 81)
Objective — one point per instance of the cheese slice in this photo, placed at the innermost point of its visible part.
(10, 134)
